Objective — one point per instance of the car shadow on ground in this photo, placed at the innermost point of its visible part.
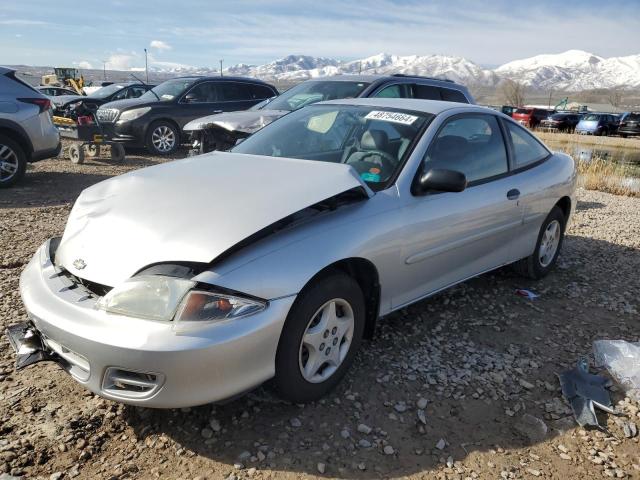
(485, 359)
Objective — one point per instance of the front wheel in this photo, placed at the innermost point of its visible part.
(163, 138)
(320, 338)
(548, 246)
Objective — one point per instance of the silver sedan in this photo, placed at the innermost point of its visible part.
(196, 280)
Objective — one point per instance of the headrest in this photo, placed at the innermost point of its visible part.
(374, 140)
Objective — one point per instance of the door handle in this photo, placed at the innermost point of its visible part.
(513, 194)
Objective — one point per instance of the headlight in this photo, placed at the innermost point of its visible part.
(153, 297)
(129, 115)
(205, 306)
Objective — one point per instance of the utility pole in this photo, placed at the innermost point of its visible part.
(146, 65)
(104, 69)
(550, 93)
(221, 60)
(359, 68)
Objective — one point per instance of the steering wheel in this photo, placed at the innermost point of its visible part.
(385, 160)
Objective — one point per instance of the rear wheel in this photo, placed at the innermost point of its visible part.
(320, 338)
(13, 162)
(548, 247)
(163, 138)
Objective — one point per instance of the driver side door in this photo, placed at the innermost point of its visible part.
(451, 236)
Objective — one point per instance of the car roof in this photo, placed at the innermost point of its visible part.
(427, 106)
(220, 78)
(4, 70)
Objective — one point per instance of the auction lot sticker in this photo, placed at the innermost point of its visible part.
(394, 117)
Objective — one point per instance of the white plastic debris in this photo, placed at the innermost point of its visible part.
(526, 293)
(622, 360)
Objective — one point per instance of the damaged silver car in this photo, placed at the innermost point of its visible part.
(197, 280)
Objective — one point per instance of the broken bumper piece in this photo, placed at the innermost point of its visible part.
(29, 346)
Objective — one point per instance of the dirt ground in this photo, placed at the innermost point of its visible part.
(462, 385)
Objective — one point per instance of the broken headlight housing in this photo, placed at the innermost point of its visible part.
(159, 297)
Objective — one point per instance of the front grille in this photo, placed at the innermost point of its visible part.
(129, 384)
(107, 115)
(95, 289)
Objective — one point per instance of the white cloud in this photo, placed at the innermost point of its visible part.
(120, 61)
(160, 45)
(83, 64)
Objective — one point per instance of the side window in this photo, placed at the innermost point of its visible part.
(231, 91)
(260, 92)
(449, 95)
(426, 92)
(526, 149)
(395, 91)
(471, 144)
(203, 93)
(135, 92)
(120, 94)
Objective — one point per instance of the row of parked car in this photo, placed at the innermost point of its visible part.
(625, 124)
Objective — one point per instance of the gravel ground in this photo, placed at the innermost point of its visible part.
(462, 385)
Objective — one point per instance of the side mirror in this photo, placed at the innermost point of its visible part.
(190, 98)
(440, 180)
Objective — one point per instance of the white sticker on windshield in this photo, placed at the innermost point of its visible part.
(394, 117)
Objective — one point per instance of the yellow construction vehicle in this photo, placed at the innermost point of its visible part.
(65, 77)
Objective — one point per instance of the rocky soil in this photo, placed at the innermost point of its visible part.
(460, 386)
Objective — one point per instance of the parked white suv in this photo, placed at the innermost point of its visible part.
(27, 133)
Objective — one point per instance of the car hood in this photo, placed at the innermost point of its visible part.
(190, 210)
(248, 121)
(128, 103)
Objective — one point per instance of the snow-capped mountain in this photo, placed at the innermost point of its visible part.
(572, 70)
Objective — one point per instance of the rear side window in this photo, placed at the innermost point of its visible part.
(395, 91)
(526, 148)
(231, 91)
(449, 95)
(426, 92)
(471, 144)
(260, 92)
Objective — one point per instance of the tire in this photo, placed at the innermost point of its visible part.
(117, 152)
(13, 162)
(293, 355)
(163, 138)
(76, 154)
(538, 265)
(623, 135)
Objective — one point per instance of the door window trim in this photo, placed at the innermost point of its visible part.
(475, 183)
(218, 82)
(424, 84)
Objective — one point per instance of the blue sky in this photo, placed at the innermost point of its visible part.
(200, 32)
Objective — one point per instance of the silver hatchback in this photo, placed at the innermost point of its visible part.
(196, 280)
(27, 133)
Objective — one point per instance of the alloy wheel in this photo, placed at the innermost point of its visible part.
(163, 139)
(8, 163)
(326, 340)
(549, 243)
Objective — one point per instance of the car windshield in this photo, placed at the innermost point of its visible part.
(559, 116)
(104, 92)
(526, 111)
(374, 141)
(634, 117)
(310, 92)
(591, 118)
(167, 91)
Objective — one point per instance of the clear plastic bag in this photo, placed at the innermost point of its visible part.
(622, 360)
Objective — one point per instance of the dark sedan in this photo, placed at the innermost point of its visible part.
(155, 120)
(561, 122)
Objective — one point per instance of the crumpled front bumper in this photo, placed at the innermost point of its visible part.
(145, 362)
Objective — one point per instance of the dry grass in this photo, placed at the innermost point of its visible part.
(606, 176)
(574, 138)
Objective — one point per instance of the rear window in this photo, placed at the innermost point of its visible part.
(634, 117)
(12, 76)
(523, 111)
